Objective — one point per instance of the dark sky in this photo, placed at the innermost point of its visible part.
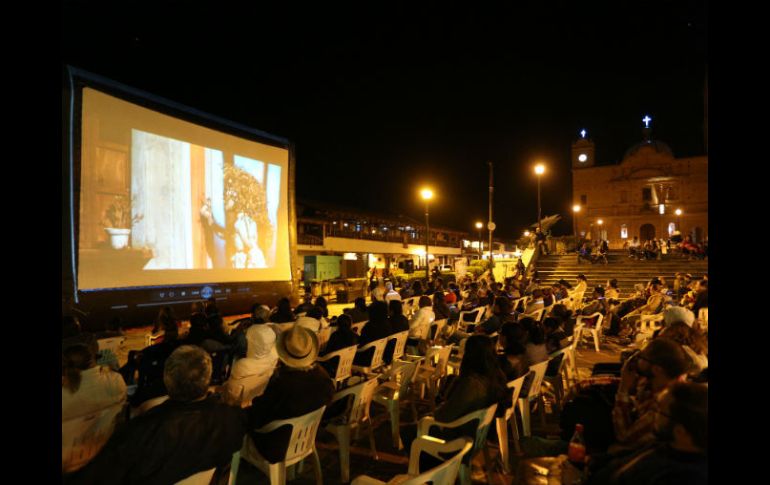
(382, 100)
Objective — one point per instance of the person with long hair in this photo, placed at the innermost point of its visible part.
(480, 384)
(513, 360)
(86, 386)
(283, 313)
(419, 326)
(167, 322)
(398, 321)
(693, 342)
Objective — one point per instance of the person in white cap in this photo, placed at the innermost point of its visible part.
(249, 376)
(391, 293)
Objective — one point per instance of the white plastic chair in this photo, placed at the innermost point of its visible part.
(301, 445)
(345, 365)
(484, 418)
(323, 337)
(479, 312)
(502, 424)
(359, 327)
(537, 372)
(432, 371)
(446, 473)
(576, 299)
(376, 362)
(150, 339)
(556, 381)
(436, 328)
(84, 437)
(400, 338)
(537, 315)
(577, 334)
(650, 323)
(243, 391)
(596, 330)
(356, 416)
(200, 478)
(393, 392)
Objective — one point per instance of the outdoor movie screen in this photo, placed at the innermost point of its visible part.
(168, 202)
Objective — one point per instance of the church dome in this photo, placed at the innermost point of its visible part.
(657, 145)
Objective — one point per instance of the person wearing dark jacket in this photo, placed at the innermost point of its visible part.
(378, 327)
(283, 313)
(189, 433)
(343, 337)
(298, 387)
(440, 308)
(398, 322)
(358, 313)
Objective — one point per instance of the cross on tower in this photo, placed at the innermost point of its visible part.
(646, 120)
(583, 133)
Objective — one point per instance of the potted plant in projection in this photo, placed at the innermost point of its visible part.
(118, 221)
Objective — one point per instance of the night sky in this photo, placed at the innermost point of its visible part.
(382, 100)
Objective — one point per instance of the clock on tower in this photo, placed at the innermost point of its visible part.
(583, 151)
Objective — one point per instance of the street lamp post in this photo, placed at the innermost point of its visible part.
(479, 226)
(600, 222)
(539, 170)
(575, 210)
(427, 195)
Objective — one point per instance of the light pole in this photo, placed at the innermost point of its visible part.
(600, 222)
(427, 195)
(479, 226)
(539, 170)
(575, 210)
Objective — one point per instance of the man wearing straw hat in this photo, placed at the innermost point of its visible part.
(297, 387)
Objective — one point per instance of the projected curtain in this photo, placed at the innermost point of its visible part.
(160, 183)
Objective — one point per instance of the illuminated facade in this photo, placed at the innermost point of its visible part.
(640, 195)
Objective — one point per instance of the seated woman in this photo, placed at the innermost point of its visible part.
(282, 313)
(343, 337)
(87, 387)
(555, 336)
(480, 384)
(398, 322)
(378, 327)
(250, 375)
(513, 360)
(440, 308)
(535, 344)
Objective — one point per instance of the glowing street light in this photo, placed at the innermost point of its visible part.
(600, 222)
(575, 210)
(427, 195)
(539, 170)
(480, 226)
(526, 233)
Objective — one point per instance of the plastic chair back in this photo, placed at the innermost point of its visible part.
(703, 317)
(362, 397)
(436, 327)
(515, 387)
(151, 339)
(84, 437)
(303, 432)
(200, 478)
(379, 351)
(400, 338)
(221, 363)
(323, 337)
(537, 315)
(359, 327)
(345, 365)
(538, 372)
(444, 473)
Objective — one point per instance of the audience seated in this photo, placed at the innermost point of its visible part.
(298, 387)
(398, 322)
(693, 343)
(167, 322)
(598, 303)
(390, 293)
(419, 325)
(535, 341)
(344, 336)
(86, 386)
(259, 315)
(186, 434)
(311, 320)
(320, 302)
(261, 359)
(536, 303)
(282, 313)
(679, 452)
(358, 313)
(378, 327)
(304, 307)
(440, 308)
(513, 361)
(644, 377)
(480, 384)
(555, 336)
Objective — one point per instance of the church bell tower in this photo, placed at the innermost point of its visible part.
(583, 151)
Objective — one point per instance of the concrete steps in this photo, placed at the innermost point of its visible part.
(627, 271)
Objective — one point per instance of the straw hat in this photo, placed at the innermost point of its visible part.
(297, 347)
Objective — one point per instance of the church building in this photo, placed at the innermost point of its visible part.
(649, 194)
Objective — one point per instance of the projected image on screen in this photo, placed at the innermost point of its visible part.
(164, 201)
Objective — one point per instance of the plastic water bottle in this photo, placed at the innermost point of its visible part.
(576, 453)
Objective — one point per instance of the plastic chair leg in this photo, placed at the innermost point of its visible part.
(317, 465)
(524, 409)
(596, 339)
(372, 443)
(395, 425)
(515, 433)
(502, 438)
(277, 473)
(343, 438)
(234, 465)
(464, 474)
